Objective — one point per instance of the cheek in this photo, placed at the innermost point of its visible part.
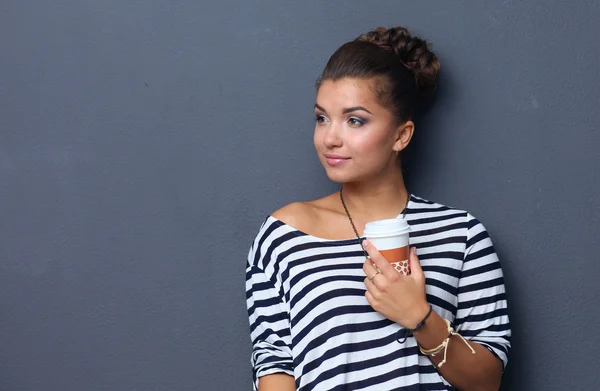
(370, 145)
(317, 138)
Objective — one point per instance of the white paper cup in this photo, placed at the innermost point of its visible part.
(390, 237)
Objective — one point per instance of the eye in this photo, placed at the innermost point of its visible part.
(321, 118)
(356, 122)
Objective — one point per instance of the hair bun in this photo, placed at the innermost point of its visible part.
(413, 52)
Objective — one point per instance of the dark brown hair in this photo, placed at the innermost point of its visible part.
(403, 67)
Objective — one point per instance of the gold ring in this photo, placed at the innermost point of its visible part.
(375, 275)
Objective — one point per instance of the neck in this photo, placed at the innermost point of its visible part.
(376, 199)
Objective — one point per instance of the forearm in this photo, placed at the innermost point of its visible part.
(463, 369)
(277, 382)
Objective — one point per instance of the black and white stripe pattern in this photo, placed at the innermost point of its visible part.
(309, 316)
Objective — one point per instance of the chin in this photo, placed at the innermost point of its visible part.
(340, 176)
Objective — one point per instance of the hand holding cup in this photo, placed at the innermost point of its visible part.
(398, 297)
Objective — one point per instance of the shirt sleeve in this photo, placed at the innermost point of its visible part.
(482, 314)
(268, 314)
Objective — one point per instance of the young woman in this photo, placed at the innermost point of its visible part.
(325, 317)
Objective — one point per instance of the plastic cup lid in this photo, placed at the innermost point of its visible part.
(386, 227)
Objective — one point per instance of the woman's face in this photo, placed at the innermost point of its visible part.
(356, 137)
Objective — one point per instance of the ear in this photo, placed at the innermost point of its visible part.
(403, 134)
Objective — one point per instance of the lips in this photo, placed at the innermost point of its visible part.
(335, 160)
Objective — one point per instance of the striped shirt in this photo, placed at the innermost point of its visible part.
(309, 316)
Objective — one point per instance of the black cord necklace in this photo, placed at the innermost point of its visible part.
(352, 222)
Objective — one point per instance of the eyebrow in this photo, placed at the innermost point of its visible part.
(345, 111)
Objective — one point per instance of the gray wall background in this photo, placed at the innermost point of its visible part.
(142, 143)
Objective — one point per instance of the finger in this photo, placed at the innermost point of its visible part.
(414, 263)
(372, 287)
(370, 298)
(372, 280)
(369, 268)
(380, 262)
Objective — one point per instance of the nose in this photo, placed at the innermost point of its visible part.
(332, 137)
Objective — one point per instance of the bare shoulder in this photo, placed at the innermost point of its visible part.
(304, 216)
(296, 214)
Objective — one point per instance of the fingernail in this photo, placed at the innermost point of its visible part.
(365, 243)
